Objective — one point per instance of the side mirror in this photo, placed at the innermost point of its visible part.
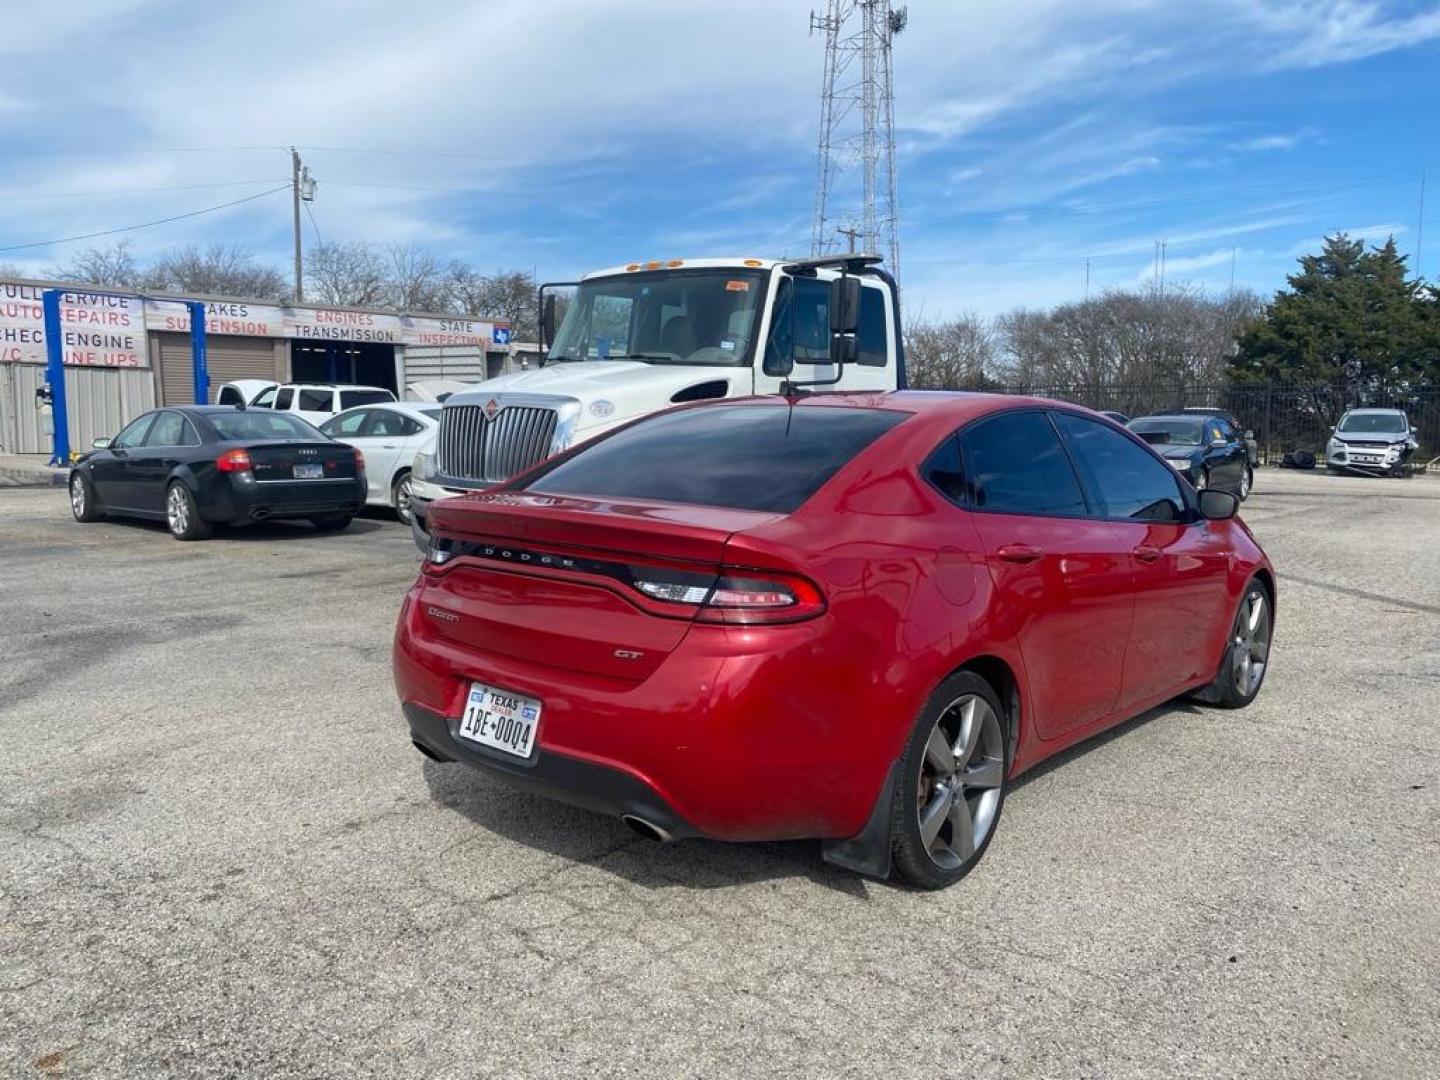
(547, 320)
(1218, 443)
(1218, 505)
(844, 305)
(100, 444)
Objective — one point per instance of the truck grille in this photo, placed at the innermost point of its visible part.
(471, 447)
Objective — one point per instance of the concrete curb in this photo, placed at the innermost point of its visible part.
(39, 476)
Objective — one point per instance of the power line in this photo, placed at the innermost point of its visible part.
(15, 196)
(314, 225)
(144, 224)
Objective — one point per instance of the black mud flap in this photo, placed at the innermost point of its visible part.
(868, 851)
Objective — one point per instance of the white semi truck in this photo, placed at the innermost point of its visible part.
(639, 338)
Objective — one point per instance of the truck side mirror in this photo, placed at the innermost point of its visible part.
(547, 320)
(844, 305)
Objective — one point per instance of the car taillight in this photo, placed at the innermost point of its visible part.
(359, 460)
(756, 597)
(234, 461)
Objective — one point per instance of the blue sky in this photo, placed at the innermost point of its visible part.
(564, 135)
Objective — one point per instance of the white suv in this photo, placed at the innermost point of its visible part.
(317, 402)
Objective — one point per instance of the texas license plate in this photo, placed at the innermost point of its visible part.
(501, 720)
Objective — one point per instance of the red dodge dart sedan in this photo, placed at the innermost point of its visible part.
(856, 617)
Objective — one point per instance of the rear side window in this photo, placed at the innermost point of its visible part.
(752, 457)
(1126, 480)
(1014, 464)
(350, 398)
(229, 396)
(316, 400)
(285, 397)
(872, 335)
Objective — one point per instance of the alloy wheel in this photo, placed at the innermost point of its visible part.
(77, 496)
(1251, 641)
(1202, 481)
(402, 500)
(177, 510)
(961, 773)
(1245, 482)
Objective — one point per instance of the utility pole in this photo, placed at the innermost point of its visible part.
(1087, 279)
(851, 233)
(1232, 268)
(1420, 231)
(302, 187)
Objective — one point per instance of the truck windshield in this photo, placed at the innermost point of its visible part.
(705, 317)
(1359, 423)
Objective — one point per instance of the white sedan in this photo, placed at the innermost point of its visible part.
(388, 434)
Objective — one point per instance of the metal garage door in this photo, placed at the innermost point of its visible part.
(228, 358)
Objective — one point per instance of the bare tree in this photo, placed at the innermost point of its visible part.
(216, 271)
(1146, 340)
(953, 355)
(10, 270)
(349, 273)
(417, 280)
(506, 295)
(113, 267)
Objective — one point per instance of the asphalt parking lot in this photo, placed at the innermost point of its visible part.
(220, 856)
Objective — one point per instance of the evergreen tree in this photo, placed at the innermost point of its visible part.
(1351, 320)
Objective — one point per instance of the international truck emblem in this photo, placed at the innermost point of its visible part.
(491, 408)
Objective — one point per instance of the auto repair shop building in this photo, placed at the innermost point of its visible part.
(128, 353)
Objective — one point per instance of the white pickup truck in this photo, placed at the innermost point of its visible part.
(636, 339)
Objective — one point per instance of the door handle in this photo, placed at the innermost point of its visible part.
(387, 446)
(1147, 554)
(1019, 553)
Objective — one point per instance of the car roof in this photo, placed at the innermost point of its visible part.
(337, 386)
(1171, 416)
(409, 408)
(1371, 411)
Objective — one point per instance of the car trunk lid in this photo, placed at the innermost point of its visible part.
(301, 460)
(554, 579)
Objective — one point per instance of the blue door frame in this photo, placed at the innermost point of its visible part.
(55, 360)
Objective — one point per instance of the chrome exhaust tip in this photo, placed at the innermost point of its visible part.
(647, 829)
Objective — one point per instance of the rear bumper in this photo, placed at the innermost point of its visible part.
(238, 501)
(557, 776)
(736, 735)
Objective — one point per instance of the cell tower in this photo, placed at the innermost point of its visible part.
(857, 128)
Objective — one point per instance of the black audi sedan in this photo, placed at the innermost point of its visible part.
(197, 466)
(1205, 450)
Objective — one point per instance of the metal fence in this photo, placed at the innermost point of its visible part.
(1283, 418)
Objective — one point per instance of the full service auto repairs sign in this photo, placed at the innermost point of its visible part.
(95, 330)
(108, 331)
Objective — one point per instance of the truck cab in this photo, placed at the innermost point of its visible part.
(642, 337)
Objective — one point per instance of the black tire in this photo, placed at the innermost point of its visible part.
(920, 787)
(1247, 483)
(83, 503)
(332, 522)
(1235, 685)
(400, 497)
(182, 513)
